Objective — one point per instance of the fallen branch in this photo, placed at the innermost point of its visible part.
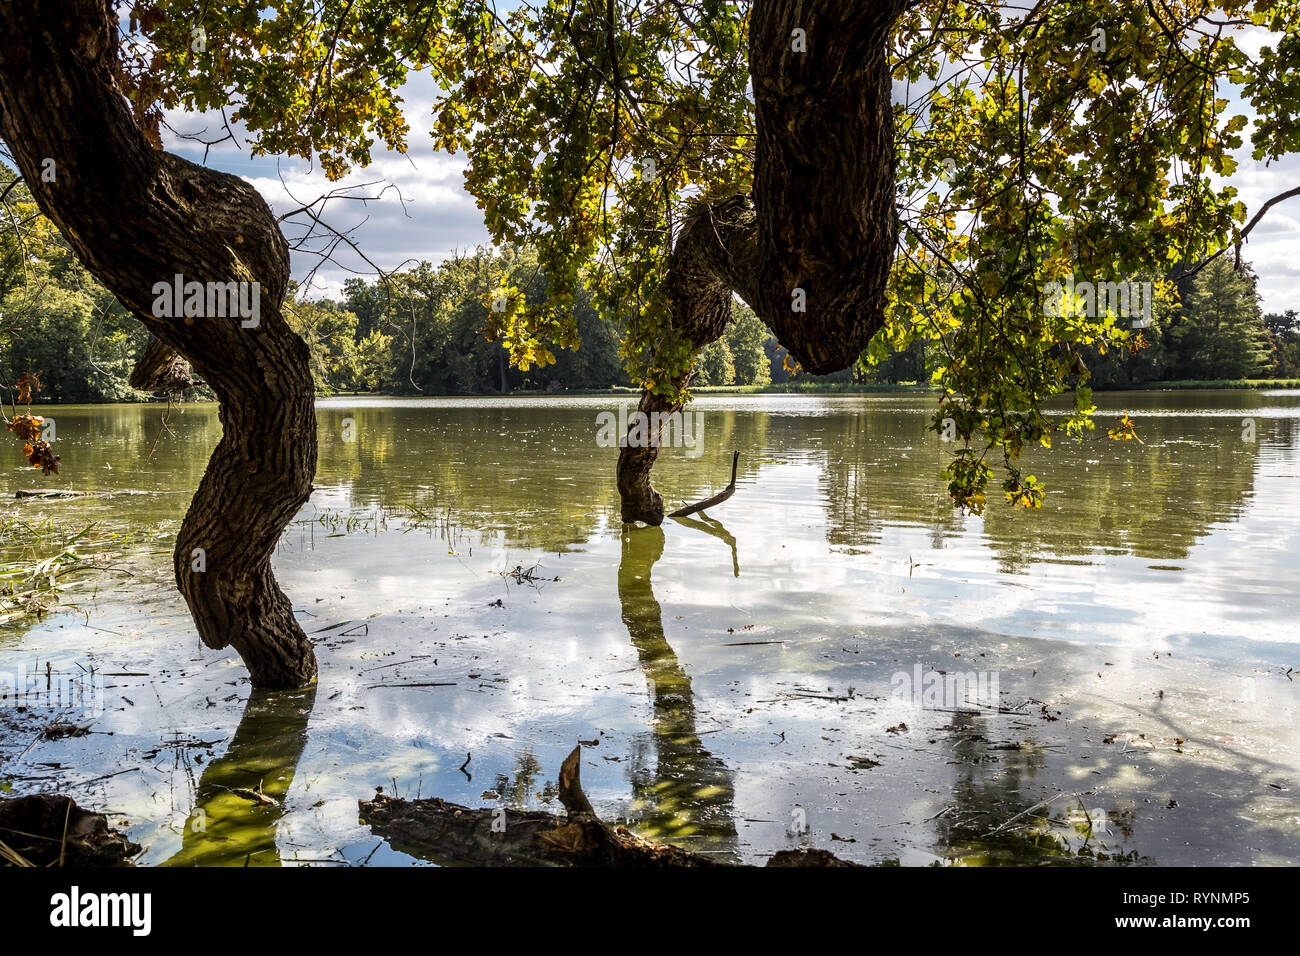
(1022, 813)
(499, 836)
(717, 499)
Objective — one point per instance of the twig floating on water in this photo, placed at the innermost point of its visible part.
(1022, 813)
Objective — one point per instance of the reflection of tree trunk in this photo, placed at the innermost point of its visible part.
(691, 793)
(689, 796)
(821, 217)
(228, 827)
(137, 216)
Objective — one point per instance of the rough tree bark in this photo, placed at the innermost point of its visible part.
(160, 368)
(136, 216)
(714, 254)
(822, 215)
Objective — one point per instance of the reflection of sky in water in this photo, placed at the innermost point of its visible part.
(1154, 595)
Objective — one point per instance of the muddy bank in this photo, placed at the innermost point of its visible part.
(51, 830)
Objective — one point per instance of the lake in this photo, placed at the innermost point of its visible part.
(786, 670)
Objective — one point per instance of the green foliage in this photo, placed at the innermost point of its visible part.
(909, 364)
(596, 364)
(371, 361)
(1284, 332)
(438, 316)
(1290, 384)
(1221, 333)
(1055, 156)
(367, 302)
(433, 331)
(745, 338)
(715, 365)
(1148, 353)
(56, 320)
(331, 336)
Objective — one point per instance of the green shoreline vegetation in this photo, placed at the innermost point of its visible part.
(1197, 384)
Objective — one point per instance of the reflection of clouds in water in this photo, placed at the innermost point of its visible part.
(978, 772)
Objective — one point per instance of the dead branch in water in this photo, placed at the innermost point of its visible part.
(717, 499)
(499, 836)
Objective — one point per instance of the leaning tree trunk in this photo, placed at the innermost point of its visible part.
(811, 248)
(714, 254)
(137, 216)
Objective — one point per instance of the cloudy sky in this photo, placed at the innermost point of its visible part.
(437, 217)
(433, 218)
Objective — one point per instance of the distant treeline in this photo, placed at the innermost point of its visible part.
(1213, 330)
(420, 332)
(55, 318)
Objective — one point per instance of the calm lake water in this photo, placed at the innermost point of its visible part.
(753, 679)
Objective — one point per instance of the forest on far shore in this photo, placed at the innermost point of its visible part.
(420, 333)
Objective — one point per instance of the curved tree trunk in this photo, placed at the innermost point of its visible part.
(714, 254)
(811, 249)
(137, 216)
(640, 502)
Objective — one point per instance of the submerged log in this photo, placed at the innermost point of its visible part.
(47, 829)
(717, 499)
(51, 493)
(499, 836)
(453, 834)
